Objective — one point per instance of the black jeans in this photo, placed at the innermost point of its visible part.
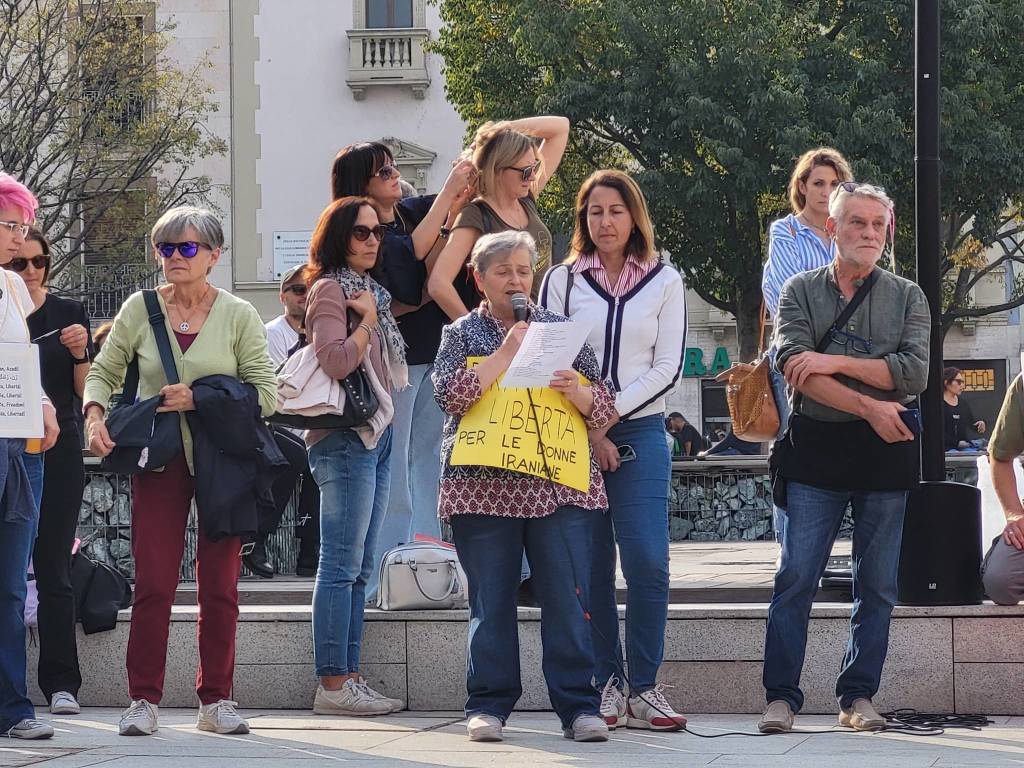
(63, 482)
(307, 516)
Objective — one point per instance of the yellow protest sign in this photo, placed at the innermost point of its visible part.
(500, 430)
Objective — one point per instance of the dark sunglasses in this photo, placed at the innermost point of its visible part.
(958, 381)
(188, 250)
(298, 290)
(859, 344)
(387, 172)
(627, 453)
(528, 171)
(20, 264)
(361, 233)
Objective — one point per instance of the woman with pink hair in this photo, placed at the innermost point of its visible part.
(19, 510)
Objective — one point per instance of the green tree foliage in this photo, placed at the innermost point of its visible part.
(102, 127)
(708, 104)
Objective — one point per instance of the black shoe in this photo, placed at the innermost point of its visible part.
(525, 597)
(305, 570)
(257, 560)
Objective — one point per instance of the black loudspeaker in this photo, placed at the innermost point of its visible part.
(941, 557)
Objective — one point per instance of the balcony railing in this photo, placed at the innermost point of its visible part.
(387, 57)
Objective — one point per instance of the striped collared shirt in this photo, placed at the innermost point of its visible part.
(633, 271)
(792, 248)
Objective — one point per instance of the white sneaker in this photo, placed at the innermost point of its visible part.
(64, 703)
(397, 705)
(484, 728)
(613, 704)
(221, 717)
(651, 711)
(350, 699)
(587, 728)
(29, 728)
(140, 719)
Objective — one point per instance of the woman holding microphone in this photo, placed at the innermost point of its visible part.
(496, 514)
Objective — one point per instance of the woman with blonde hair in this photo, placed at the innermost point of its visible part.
(796, 243)
(514, 160)
(614, 283)
(799, 241)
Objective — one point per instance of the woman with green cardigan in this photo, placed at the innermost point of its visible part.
(211, 332)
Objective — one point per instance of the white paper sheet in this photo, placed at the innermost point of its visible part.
(21, 411)
(546, 348)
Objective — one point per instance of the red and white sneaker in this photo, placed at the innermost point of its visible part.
(651, 711)
(613, 704)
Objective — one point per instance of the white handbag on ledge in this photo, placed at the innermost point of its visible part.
(421, 575)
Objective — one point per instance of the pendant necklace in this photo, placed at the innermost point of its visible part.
(184, 325)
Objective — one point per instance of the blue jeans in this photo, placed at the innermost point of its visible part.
(637, 520)
(815, 515)
(491, 552)
(415, 468)
(34, 464)
(354, 485)
(781, 392)
(16, 539)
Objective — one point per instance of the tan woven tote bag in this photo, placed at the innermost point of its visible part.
(748, 391)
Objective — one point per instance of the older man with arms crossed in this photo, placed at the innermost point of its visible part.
(853, 343)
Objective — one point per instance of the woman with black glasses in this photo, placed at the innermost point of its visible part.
(957, 416)
(413, 233)
(514, 160)
(351, 328)
(60, 327)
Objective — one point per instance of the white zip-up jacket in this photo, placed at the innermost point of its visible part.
(639, 338)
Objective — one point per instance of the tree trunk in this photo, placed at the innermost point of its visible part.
(748, 321)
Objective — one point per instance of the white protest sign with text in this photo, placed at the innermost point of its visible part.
(21, 392)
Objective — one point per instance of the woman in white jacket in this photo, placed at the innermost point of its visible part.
(614, 282)
(19, 511)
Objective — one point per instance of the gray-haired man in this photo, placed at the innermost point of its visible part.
(853, 373)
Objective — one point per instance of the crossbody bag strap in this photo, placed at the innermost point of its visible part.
(760, 335)
(838, 323)
(847, 313)
(163, 343)
(569, 277)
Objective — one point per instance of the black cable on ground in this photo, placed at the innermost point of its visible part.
(931, 723)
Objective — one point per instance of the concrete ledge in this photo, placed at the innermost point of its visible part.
(964, 659)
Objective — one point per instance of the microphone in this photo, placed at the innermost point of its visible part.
(519, 306)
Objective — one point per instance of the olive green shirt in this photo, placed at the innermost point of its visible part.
(1007, 441)
(894, 317)
(472, 217)
(232, 341)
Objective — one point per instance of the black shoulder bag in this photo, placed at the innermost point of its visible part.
(361, 401)
(782, 448)
(143, 438)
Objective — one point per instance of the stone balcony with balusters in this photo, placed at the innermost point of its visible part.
(391, 57)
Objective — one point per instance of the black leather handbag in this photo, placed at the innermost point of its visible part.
(143, 438)
(361, 401)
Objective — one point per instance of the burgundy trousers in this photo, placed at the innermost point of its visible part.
(160, 508)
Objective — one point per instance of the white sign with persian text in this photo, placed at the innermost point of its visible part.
(21, 392)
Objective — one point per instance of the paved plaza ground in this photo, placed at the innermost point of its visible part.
(533, 740)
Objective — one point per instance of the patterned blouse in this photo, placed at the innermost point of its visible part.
(478, 490)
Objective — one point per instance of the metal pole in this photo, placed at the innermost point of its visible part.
(928, 220)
